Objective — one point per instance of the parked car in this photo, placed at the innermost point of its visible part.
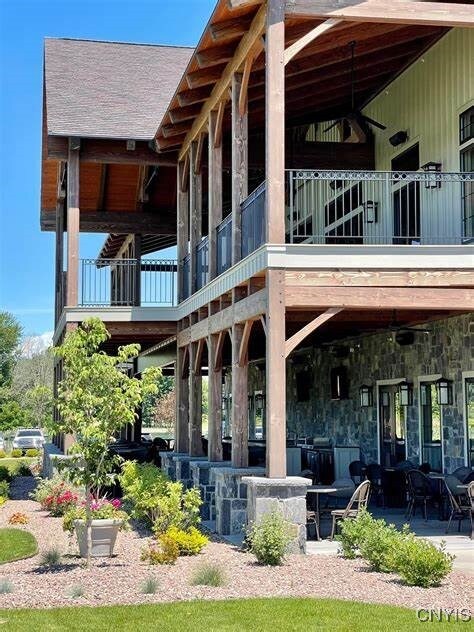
(28, 438)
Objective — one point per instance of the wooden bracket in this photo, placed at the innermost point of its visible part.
(263, 320)
(197, 359)
(295, 340)
(185, 174)
(198, 158)
(244, 343)
(298, 46)
(219, 121)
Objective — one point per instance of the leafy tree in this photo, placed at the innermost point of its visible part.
(96, 399)
(10, 334)
(165, 411)
(12, 415)
(165, 385)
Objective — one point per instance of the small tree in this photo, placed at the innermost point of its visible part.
(96, 399)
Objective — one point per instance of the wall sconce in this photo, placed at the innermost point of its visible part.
(366, 395)
(371, 212)
(444, 388)
(259, 400)
(405, 391)
(432, 168)
(399, 138)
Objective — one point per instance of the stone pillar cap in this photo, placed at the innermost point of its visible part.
(264, 481)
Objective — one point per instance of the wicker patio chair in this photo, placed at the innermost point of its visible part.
(420, 492)
(359, 500)
(459, 511)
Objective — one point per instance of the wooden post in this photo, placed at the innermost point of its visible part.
(182, 404)
(182, 224)
(59, 275)
(215, 191)
(195, 207)
(239, 165)
(215, 401)
(276, 375)
(275, 122)
(72, 223)
(195, 404)
(137, 282)
(239, 417)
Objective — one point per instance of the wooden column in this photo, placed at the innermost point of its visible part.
(182, 223)
(72, 223)
(59, 261)
(182, 404)
(215, 190)
(239, 164)
(214, 432)
(137, 255)
(239, 416)
(195, 404)
(195, 208)
(275, 122)
(276, 375)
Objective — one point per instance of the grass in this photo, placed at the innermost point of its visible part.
(209, 575)
(256, 615)
(51, 557)
(13, 464)
(16, 544)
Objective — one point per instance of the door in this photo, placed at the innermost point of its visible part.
(431, 427)
(406, 199)
(392, 426)
(469, 398)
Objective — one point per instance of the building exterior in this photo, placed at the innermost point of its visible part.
(320, 158)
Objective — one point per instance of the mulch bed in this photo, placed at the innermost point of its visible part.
(119, 580)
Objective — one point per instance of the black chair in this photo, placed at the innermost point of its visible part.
(357, 471)
(425, 468)
(469, 479)
(462, 472)
(375, 476)
(459, 511)
(419, 493)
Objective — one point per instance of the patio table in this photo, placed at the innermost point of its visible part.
(318, 490)
(439, 478)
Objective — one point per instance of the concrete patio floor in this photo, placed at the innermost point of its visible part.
(434, 530)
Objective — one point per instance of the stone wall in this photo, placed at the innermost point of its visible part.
(231, 498)
(204, 479)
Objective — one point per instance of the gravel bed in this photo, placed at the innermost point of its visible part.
(119, 579)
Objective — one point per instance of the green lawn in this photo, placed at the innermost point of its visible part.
(275, 615)
(13, 464)
(16, 544)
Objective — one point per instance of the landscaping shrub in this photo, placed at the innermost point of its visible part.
(24, 470)
(209, 575)
(352, 533)
(55, 495)
(164, 551)
(3, 500)
(5, 473)
(158, 500)
(3, 454)
(6, 587)
(269, 538)
(101, 509)
(75, 592)
(51, 557)
(421, 563)
(190, 542)
(4, 488)
(16, 453)
(150, 586)
(380, 543)
(32, 452)
(18, 518)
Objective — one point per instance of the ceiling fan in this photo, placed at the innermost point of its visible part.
(355, 119)
(394, 327)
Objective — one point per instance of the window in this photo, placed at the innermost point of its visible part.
(469, 398)
(467, 164)
(466, 125)
(431, 427)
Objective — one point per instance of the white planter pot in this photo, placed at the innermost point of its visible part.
(103, 536)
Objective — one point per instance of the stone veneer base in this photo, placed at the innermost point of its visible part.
(231, 498)
(203, 474)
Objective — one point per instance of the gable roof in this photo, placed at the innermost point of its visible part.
(109, 89)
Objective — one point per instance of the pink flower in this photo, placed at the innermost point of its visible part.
(116, 503)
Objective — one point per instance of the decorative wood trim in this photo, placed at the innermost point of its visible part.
(298, 46)
(197, 359)
(185, 174)
(244, 343)
(295, 340)
(217, 366)
(219, 121)
(198, 157)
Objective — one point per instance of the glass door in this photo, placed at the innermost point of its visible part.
(431, 427)
(392, 426)
(469, 394)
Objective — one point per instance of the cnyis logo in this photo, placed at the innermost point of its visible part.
(439, 615)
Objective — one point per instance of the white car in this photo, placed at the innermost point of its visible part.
(28, 438)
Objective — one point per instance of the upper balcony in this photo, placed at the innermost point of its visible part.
(348, 208)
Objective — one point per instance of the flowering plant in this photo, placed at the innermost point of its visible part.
(101, 508)
(60, 500)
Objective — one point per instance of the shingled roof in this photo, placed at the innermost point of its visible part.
(109, 89)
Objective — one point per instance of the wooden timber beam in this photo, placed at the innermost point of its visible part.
(230, 29)
(380, 298)
(217, 358)
(295, 340)
(215, 55)
(239, 172)
(219, 122)
(237, 4)
(243, 49)
(204, 76)
(298, 46)
(182, 399)
(198, 358)
(382, 278)
(121, 222)
(214, 432)
(190, 97)
(244, 343)
(195, 405)
(215, 191)
(395, 11)
(73, 223)
(239, 407)
(178, 115)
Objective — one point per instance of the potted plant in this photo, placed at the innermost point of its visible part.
(107, 519)
(96, 399)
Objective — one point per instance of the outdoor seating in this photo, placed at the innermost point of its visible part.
(420, 492)
(462, 472)
(359, 500)
(459, 511)
(357, 471)
(469, 478)
(374, 475)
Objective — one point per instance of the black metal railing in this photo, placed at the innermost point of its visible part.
(202, 263)
(378, 207)
(224, 245)
(253, 220)
(122, 282)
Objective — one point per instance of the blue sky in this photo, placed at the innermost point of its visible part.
(27, 254)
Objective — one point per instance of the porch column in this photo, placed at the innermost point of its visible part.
(195, 208)
(182, 403)
(239, 416)
(214, 401)
(239, 164)
(182, 223)
(195, 403)
(137, 255)
(72, 222)
(215, 189)
(59, 261)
